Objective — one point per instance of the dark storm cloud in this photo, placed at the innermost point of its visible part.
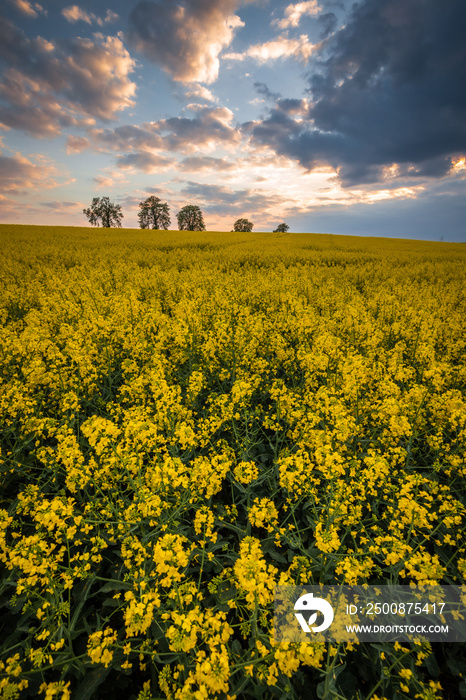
(388, 89)
(328, 23)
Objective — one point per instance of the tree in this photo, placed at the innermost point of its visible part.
(243, 225)
(153, 214)
(104, 210)
(190, 219)
(281, 228)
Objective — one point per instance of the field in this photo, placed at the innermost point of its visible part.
(188, 420)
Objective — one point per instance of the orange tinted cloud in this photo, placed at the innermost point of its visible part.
(18, 174)
(202, 92)
(30, 9)
(293, 13)
(282, 47)
(48, 86)
(74, 13)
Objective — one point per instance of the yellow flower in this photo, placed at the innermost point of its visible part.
(327, 539)
(98, 646)
(246, 472)
(214, 671)
(254, 577)
(263, 514)
(59, 690)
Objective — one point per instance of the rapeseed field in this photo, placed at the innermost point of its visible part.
(190, 419)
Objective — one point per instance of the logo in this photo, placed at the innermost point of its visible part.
(307, 603)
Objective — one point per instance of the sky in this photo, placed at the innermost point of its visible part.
(330, 116)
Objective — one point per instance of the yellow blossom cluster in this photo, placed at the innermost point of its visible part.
(191, 419)
(255, 579)
(263, 514)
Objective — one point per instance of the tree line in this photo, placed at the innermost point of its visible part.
(154, 214)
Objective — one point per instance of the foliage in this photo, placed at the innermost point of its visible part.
(153, 213)
(243, 225)
(190, 218)
(104, 211)
(281, 228)
(189, 420)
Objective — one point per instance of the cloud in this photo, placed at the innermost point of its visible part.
(185, 38)
(262, 89)
(328, 22)
(11, 210)
(61, 206)
(282, 47)
(74, 13)
(30, 211)
(50, 85)
(111, 16)
(19, 175)
(195, 107)
(122, 138)
(205, 163)
(211, 127)
(145, 161)
(218, 199)
(201, 91)
(293, 13)
(110, 178)
(428, 216)
(387, 96)
(266, 187)
(30, 9)
(76, 144)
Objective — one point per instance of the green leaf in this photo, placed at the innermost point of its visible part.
(115, 586)
(85, 691)
(236, 647)
(456, 666)
(278, 556)
(432, 666)
(320, 690)
(111, 603)
(226, 591)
